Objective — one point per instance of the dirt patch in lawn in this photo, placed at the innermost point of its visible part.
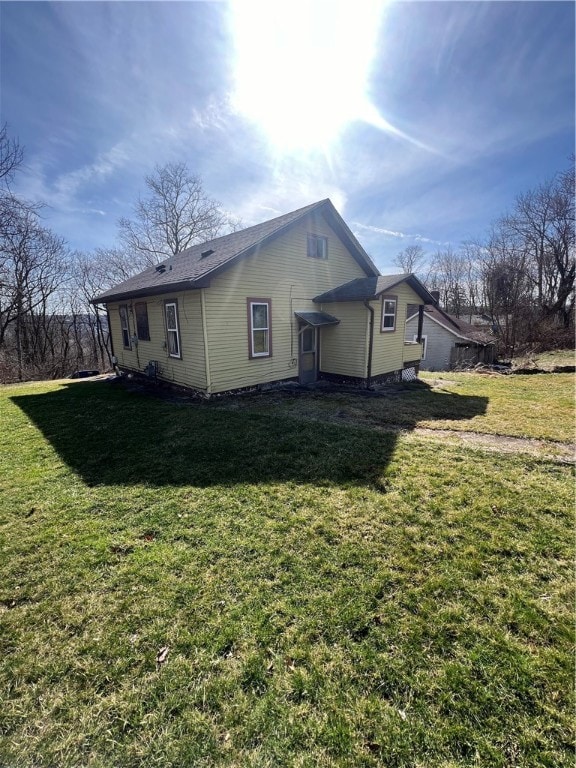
(545, 449)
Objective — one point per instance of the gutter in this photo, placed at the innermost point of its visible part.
(370, 309)
(155, 290)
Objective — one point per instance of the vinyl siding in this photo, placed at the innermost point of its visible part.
(283, 273)
(344, 347)
(190, 370)
(389, 351)
(440, 342)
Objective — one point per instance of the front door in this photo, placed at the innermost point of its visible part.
(308, 367)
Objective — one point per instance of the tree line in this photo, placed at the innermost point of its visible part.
(48, 326)
(522, 275)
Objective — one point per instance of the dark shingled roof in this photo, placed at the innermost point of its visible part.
(190, 269)
(458, 326)
(364, 288)
(317, 319)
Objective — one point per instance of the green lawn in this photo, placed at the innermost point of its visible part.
(331, 594)
(539, 406)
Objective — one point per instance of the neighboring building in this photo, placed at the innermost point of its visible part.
(294, 298)
(449, 342)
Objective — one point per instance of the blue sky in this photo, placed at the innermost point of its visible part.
(422, 121)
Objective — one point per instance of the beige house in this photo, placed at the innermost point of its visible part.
(294, 298)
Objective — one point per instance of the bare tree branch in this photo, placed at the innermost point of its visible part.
(176, 214)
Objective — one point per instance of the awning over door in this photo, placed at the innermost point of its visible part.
(316, 319)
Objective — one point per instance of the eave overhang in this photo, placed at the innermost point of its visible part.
(158, 290)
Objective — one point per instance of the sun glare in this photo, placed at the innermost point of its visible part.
(302, 68)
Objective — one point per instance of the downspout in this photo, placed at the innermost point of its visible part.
(111, 340)
(206, 350)
(370, 309)
(420, 323)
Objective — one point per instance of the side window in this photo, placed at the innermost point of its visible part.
(172, 328)
(388, 313)
(317, 247)
(123, 309)
(424, 344)
(259, 328)
(142, 327)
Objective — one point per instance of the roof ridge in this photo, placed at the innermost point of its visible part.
(263, 224)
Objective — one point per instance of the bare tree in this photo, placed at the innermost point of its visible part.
(447, 275)
(544, 220)
(11, 156)
(176, 214)
(507, 287)
(93, 273)
(411, 258)
(33, 267)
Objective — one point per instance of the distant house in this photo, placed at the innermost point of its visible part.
(294, 298)
(449, 342)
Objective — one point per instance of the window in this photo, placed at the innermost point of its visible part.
(142, 327)
(317, 247)
(259, 330)
(424, 344)
(124, 326)
(308, 340)
(172, 329)
(388, 314)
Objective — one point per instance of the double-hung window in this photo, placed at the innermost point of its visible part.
(259, 328)
(317, 247)
(142, 326)
(388, 313)
(172, 328)
(123, 309)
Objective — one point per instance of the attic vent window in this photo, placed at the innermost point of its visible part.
(317, 247)
(209, 252)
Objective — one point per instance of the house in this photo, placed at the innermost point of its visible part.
(294, 298)
(447, 341)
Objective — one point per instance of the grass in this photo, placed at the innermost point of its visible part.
(548, 360)
(537, 406)
(331, 594)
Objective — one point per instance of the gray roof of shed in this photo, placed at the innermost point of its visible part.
(365, 288)
(457, 326)
(189, 269)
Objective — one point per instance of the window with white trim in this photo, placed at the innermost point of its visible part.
(172, 328)
(317, 247)
(259, 327)
(123, 309)
(424, 341)
(388, 314)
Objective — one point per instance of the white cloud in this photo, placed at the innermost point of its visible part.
(389, 233)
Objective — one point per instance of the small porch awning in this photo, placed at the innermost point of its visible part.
(316, 319)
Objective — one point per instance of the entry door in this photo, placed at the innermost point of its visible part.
(308, 364)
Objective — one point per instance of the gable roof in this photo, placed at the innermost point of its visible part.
(455, 325)
(364, 288)
(194, 267)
